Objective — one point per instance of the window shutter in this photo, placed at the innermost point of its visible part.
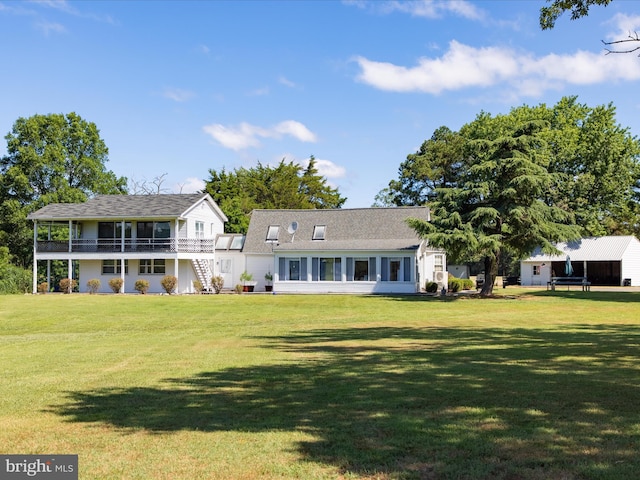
(337, 275)
(385, 269)
(350, 268)
(407, 269)
(372, 269)
(281, 267)
(303, 269)
(315, 269)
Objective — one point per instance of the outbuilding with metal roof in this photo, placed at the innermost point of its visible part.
(604, 261)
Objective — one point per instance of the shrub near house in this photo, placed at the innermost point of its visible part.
(169, 283)
(142, 286)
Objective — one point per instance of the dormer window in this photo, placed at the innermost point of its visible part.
(318, 232)
(272, 233)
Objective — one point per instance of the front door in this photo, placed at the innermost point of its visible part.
(225, 270)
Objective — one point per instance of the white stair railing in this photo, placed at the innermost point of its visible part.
(203, 272)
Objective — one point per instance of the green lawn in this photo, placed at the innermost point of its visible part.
(534, 385)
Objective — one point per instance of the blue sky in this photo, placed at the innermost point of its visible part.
(179, 88)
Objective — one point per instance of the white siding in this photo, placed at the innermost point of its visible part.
(203, 212)
(631, 263)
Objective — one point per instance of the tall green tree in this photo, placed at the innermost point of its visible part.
(598, 166)
(287, 185)
(498, 206)
(50, 158)
(435, 165)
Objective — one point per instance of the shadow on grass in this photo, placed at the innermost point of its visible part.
(418, 403)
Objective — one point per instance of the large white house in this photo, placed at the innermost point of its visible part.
(367, 250)
(129, 236)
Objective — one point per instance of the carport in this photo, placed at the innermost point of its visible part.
(603, 261)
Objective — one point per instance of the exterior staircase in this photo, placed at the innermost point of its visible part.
(203, 273)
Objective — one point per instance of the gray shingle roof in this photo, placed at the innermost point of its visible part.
(346, 229)
(120, 207)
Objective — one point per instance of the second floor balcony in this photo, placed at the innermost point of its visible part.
(101, 245)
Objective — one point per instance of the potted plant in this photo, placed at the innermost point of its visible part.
(247, 281)
(268, 277)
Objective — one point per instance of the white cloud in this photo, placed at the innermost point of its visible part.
(177, 94)
(50, 27)
(286, 82)
(328, 169)
(246, 135)
(463, 66)
(435, 8)
(424, 8)
(624, 25)
(294, 129)
(190, 185)
(66, 7)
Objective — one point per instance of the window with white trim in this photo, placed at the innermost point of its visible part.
(395, 269)
(438, 263)
(199, 229)
(293, 269)
(111, 267)
(149, 266)
(326, 269)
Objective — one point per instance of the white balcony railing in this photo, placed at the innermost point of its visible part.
(167, 245)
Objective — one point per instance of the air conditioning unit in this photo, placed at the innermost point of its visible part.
(439, 277)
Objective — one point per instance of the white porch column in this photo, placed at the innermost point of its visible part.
(70, 237)
(176, 230)
(49, 261)
(122, 272)
(175, 273)
(122, 239)
(35, 256)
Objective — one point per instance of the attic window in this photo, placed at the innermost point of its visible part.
(272, 233)
(318, 232)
